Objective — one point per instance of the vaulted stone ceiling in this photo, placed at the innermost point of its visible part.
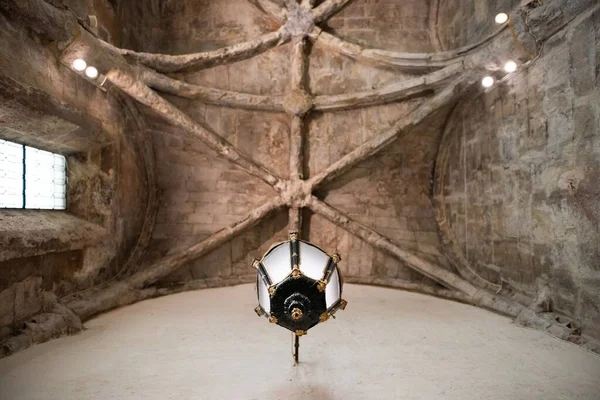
(321, 117)
(203, 194)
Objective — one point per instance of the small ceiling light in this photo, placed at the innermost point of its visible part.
(79, 65)
(487, 82)
(510, 66)
(501, 18)
(91, 72)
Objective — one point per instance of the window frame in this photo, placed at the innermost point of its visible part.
(24, 179)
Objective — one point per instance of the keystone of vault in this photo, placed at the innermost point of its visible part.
(300, 21)
(295, 193)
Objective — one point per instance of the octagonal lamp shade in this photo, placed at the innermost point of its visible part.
(298, 285)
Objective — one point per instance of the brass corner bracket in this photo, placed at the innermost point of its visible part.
(296, 273)
(321, 286)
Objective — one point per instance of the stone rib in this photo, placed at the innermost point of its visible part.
(413, 62)
(445, 97)
(480, 297)
(394, 92)
(142, 93)
(327, 9)
(438, 274)
(208, 59)
(276, 12)
(112, 295)
(213, 96)
(298, 84)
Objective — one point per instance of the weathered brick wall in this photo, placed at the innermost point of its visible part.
(390, 193)
(201, 193)
(463, 22)
(521, 192)
(107, 25)
(401, 25)
(139, 23)
(107, 179)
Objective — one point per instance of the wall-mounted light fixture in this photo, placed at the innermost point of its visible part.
(298, 286)
(79, 65)
(487, 82)
(82, 68)
(501, 18)
(91, 72)
(510, 67)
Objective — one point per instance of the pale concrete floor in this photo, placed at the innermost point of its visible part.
(388, 344)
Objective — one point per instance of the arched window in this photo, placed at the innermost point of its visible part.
(31, 178)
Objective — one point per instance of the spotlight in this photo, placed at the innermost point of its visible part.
(510, 66)
(79, 64)
(501, 18)
(487, 82)
(91, 72)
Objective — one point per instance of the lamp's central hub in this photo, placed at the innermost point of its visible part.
(297, 314)
(297, 306)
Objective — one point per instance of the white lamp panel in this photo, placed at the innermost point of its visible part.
(312, 261)
(332, 291)
(278, 263)
(263, 295)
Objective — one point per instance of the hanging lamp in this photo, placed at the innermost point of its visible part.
(298, 286)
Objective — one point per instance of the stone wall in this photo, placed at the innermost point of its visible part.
(45, 255)
(520, 177)
(139, 24)
(100, 14)
(201, 193)
(391, 24)
(391, 194)
(462, 22)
